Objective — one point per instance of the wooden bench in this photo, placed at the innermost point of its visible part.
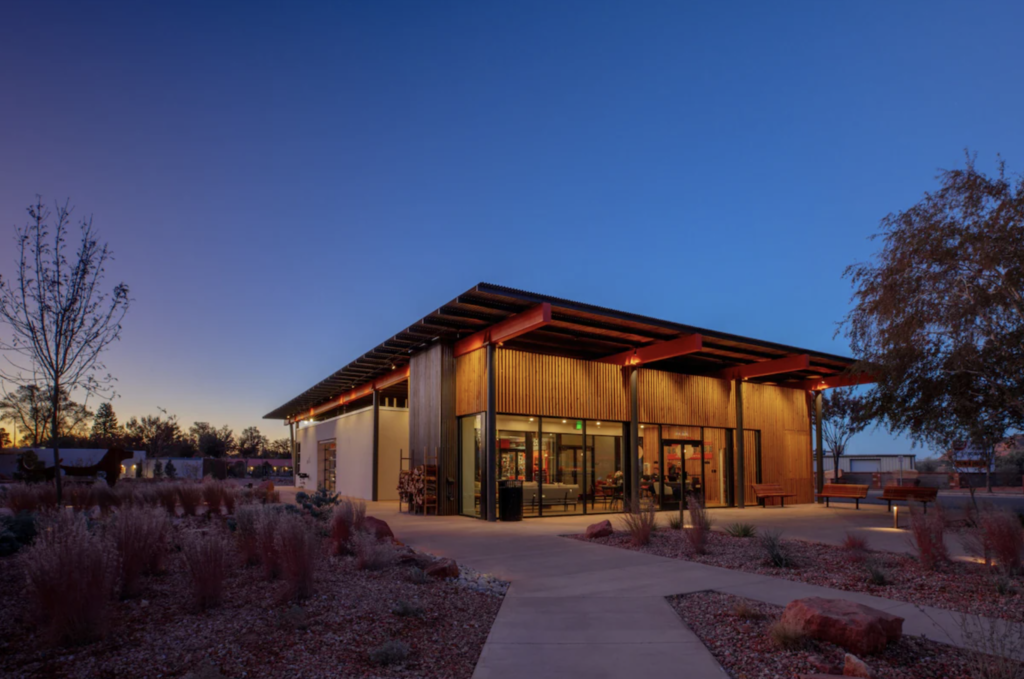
(848, 491)
(909, 494)
(771, 490)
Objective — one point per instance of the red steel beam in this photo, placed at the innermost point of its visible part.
(832, 381)
(502, 331)
(764, 368)
(655, 352)
(393, 377)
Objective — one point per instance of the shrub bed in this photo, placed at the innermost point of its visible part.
(744, 637)
(956, 586)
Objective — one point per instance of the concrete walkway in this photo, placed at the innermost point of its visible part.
(581, 609)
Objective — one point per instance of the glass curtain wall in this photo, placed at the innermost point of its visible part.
(607, 455)
(517, 452)
(562, 473)
(471, 463)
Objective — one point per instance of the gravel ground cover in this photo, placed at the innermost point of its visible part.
(742, 645)
(253, 634)
(955, 586)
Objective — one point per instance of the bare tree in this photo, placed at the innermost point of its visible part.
(60, 319)
(844, 415)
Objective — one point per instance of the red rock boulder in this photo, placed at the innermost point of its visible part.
(856, 627)
(601, 529)
(378, 528)
(442, 569)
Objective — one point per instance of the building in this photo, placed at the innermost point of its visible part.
(70, 457)
(872, 463)
(588, 407)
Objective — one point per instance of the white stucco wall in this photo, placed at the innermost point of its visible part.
(353, 437)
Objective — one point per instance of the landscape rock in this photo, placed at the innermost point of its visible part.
(378, 528)
(820, 664)
(442, 569)
(601, 529)
(856, 627)
(855, 667)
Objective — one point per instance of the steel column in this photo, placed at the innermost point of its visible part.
(820, 458)
(295, 460)
(741, 477)
(376, 443)
(490, 483)
(634, 436)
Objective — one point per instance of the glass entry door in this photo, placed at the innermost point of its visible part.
(328, 454)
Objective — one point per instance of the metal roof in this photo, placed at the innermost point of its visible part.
(577, 330)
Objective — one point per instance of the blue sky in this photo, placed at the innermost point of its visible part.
(287, 184)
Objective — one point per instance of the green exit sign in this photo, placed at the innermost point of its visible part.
(579, 424)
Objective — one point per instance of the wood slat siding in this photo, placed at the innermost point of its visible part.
(432, 422)
(471, 383)
(552, 386)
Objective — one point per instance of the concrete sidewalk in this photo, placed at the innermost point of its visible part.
(581, 609)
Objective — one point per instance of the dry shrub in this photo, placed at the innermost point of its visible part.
(927, 531)
(167, 496)
(267, 523)
(46, 496)
(640, 521)
(245, 528)
(71, 575)
(747, 612)
(346, 520)
(21, 498)
(230, 497)
(371, 553)
(190, 495)
(298, 548)
(855, 543)
(1001, 538)
(103, 496)
(774, 549)
(700, 526)
(994, 647)
(127, 495)
(139, 537)
(77, 495)
(787, 636)
(206, 558)
(213, 495)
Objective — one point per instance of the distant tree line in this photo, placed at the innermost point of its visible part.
(28, 408)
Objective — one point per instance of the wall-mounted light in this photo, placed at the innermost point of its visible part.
(531, 419)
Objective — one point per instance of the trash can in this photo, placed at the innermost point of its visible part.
(510, 500)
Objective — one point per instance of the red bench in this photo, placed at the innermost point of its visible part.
(909, 494)
(764, 491)
(848, 491)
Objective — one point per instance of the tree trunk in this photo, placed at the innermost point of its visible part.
(54, 418)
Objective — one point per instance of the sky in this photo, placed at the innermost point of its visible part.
(285, 185)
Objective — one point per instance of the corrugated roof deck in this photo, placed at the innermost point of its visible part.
(578, 330)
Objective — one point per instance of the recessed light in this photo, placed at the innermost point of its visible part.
(563, 421)
(599, 424)
(531, 419)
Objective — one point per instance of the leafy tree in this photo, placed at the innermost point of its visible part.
(212, 442)
(105, 429)
(158, 436)
(279, 448)
(60, 319)
(170, 470)
(844, 414)
(30, 408)
(251, 443)
(939, 313)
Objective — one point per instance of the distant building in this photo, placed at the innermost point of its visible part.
(871, 463)
(70, 457)
(971, 457)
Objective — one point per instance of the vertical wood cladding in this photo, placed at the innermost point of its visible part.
(534, 384)
(471, 382)
(552, 386)
(432, 423)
